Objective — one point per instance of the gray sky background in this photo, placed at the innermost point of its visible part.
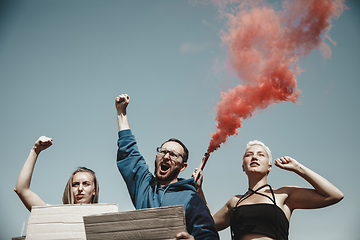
(62, 63)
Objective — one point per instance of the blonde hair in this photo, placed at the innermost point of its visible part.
(68, 197)
(256, 142)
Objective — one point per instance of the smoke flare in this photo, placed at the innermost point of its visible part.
(265, 47)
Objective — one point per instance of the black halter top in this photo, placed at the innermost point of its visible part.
(262, 218)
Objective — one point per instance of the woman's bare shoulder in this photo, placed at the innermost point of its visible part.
(285, 189)
(232, 201)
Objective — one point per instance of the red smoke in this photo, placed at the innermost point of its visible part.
(264, 48)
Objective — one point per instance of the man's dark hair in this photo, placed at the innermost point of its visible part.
(186, 151)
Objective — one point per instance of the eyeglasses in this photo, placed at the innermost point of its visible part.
(173, 155)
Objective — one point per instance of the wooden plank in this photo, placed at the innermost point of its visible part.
(151, 224)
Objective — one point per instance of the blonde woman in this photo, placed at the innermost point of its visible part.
(263, 212)
(81, 188)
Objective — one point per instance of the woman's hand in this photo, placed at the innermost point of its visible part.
(42, 143)
(287, 163)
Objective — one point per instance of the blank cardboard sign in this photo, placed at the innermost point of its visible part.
(62, 221)
(152, 223)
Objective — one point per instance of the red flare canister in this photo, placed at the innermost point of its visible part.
(202, 165)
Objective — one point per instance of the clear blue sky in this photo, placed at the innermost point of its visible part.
(62, 63)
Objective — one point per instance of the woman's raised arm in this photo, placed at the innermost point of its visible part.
(324, 193)
(22, 187)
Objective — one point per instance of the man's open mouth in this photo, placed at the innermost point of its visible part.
(164, 167)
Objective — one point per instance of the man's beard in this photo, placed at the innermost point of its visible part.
(164, 179)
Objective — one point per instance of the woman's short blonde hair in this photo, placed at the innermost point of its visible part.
(256, 142)
(68, 197)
